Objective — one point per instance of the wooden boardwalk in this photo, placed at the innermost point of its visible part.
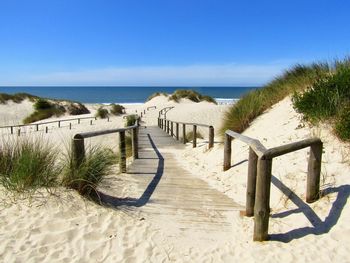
(158, 187)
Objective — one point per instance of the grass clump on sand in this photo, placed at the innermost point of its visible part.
(117, 109)
(254, 103)
(101, 113)
(27, 164)
(86, 176)
(17, 97)
(43, 110)
(131, 120)
(156, 95)
(189, 136)
(328, 100)
(191, 95)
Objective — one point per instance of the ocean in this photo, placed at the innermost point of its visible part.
(119, 94)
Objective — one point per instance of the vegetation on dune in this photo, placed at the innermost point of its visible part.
(189, 136)
(156, 95)
(297, 79)
(101, 113)
(27, 164)
(17, 97)
(117, 109)
(43, 110)
(328, 100)
(191, 95)
(77, 108)
(85, 177)
(130, 120)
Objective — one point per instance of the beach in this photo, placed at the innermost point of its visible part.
(61, 226)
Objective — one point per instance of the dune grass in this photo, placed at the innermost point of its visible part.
(191, 95)
(27, 164)
(17, 97)
(240, 115)
(43, 110)
(84, 178)
(130, 120)
(156, 95)
(117, 109)
(101, 113)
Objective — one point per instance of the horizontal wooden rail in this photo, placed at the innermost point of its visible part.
(168, 126)
(151, 107)
(164, 111)
(78, 147)
(259, 175)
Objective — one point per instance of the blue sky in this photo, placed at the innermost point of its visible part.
(163, 42)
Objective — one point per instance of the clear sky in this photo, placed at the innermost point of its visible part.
(166, 42)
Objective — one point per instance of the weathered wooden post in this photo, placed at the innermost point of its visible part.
(19, 132)
(90, 122)
(313, 172)
(11, 129)
(194, 142)
(141, 114)
(122, 152)
(184, 140)
(177, 131)
(144, 111)
(211, 136)
(37, 127)
(168, 129)
(251, 182)
(59, 124)
(172, 129)
(135, 152)
(78, 151)
(107, 118)
(78, 121)
(70, 125)
(227, 152)
(95, 118)
(262, 199)
(46, 129)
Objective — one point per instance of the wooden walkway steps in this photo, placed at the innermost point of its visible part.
(157, 187)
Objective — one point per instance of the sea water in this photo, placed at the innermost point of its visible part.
(103, 94)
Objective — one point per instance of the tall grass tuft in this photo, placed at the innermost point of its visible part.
(117, 109)
(85, 177)
(27, 164)
(131, 120)
(43, 110)
(191, 95)
(101, 113)
(240, 115)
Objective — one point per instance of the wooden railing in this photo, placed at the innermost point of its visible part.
(259, 175)
(164, 111)
(168, 126)
(78, 146)
(11, 127)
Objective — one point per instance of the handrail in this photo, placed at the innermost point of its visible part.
(164, 111)
(259, 175)
(78, 146)
(168, 126)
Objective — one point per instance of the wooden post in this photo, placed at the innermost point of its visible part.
(37, 127)
(78, 121)
(144, 111)
(135, 152)
(262, 199)
(90, 122)
(70, 125)
(313, 173)
(11, 129)
(46, 129)
(251, 182)
(177, 131)
(122, 152)
(141, 114)
(184, 139)
(95, 118)
(227, 152)
(19, 132)
(107, 118)
(172, 129)
(59, 124)
(168, 129)
(194, 142)
(78, 151)
(211, 137)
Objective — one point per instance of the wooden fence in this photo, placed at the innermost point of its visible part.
(78, 146)
(259, 175)
(164, 111)
(168, 126)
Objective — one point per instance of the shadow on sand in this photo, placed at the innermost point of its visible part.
(319, 227)
(145, 197)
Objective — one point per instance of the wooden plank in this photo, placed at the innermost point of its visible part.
(194, 142)
(251, 182)
(134, 137)
(177, 131)
(211, 137)
(184, 139)
(103, 132)
(122, 152)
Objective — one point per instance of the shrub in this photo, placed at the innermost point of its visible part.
(85, 177)
(17, 97)
(117, 109)
(130, 120)
(342, 124)
(28, 164)
(102, 113)
(42, 104)
(191, 95)
(44, 114)
(76, 108)
(156, 95)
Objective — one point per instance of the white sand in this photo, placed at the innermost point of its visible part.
(68, 229)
